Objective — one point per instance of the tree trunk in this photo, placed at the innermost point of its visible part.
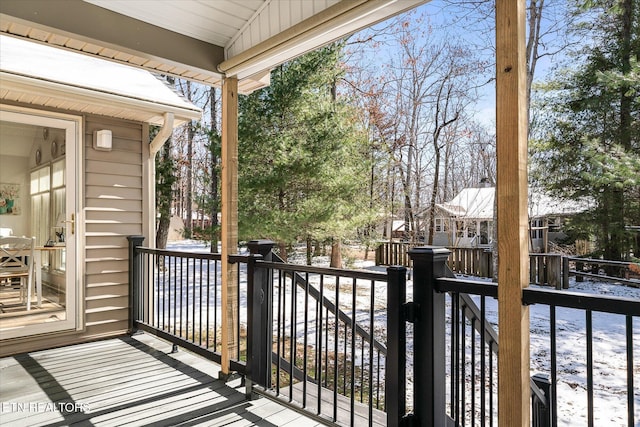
(336, 254)
(282, 249)
(163, 198)
(162, 234)
(309, 250)
(434, 192)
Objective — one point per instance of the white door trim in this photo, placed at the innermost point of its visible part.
(72, 126)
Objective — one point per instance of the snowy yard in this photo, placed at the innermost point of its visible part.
(609, 341)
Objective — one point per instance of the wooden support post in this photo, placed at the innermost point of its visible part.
(229, 224)
(511, 193)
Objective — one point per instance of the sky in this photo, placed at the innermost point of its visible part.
(474, 29)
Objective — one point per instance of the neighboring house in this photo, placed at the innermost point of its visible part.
(467, 219)
(78, 165)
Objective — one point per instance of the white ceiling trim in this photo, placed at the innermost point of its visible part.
(331, 24)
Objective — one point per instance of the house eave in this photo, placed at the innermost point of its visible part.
(45, 93)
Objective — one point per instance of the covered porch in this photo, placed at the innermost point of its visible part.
(240, 60)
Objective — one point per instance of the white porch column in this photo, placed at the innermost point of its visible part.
(511, 193)
(229, 231)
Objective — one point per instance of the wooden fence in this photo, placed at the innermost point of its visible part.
(544, 269)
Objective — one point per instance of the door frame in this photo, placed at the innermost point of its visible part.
(74, 173)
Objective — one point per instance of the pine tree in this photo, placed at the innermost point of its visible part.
(592, 148)
(302, 159)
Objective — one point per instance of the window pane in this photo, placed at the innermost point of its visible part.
(58, 174)
(44, 179)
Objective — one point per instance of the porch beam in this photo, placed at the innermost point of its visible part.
(511, 193)
(229, 235)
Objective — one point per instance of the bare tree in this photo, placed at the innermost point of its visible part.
(418, 93)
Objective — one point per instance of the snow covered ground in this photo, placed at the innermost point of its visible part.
(609, 356)
(609, 347)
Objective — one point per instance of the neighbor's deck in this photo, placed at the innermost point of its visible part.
(132, 381)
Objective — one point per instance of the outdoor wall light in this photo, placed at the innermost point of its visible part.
(102, 140)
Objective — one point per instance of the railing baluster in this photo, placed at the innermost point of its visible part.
(154, 277)
(292, 339)
(463, 367)
(473, 370)
(455, 357)
(191, 288)
(279, 335)
(630, 388)
(491, 393)
(175, 293)
(319, 370)
(216, 267)
(371, 349)
(483, 361)
(378, 364)
(304, 340)
(353, 348)
(589, 327)
(554, 365)
(208, 302)
(336, 353)
(237, 314)
(165, 294)
(326, 348)
(181, 285)
(200, 306)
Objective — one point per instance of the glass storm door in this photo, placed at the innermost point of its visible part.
(38, 169)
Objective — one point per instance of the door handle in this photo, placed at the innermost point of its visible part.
(73, 223)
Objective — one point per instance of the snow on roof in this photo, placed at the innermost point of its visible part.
(46, 63)
(477, 203)
(542, 204)
(472, 203)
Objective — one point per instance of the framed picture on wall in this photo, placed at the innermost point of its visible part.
(10, 199)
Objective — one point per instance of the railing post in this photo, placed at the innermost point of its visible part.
(429, 263)
(395, 369)
(579, 269)
(554, 271)
(565, 273)
(135, 280)
(259, 315)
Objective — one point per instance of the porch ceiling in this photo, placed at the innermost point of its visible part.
(199, 40)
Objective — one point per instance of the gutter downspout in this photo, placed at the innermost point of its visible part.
(154, 146)
(165, 132)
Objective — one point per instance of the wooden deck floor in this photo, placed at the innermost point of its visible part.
(128, 381)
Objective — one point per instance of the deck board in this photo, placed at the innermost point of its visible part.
(129, 381)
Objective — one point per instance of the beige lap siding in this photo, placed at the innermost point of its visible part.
(113, 211)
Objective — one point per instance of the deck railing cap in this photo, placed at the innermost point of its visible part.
(429, 251)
